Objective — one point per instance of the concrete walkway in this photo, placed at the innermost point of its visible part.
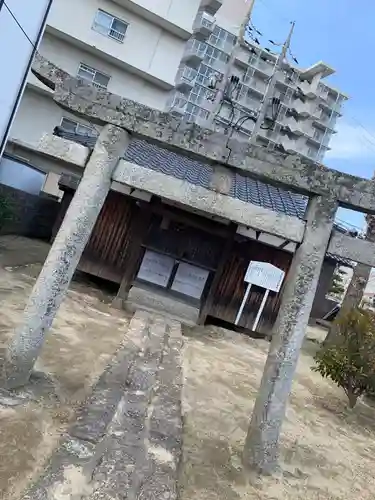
(126, 441)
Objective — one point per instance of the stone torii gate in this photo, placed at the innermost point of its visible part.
(122, 120)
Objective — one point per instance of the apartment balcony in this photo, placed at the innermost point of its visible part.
(309, 89)
(242, 58)
(255, 86)
(331, 105)
(177, 103)
(215, 63)
(193, 54)
(246, 100)
(315, 138)
(306, 109)
(185, 79)
(284, 80)
(264, 68)
(326, 121)
(203, 26)
(291, 146)
(295, 127)
(211, 6)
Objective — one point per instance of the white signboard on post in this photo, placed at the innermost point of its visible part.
(264, 275)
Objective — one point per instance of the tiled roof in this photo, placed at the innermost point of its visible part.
(167, 162)
(243, 188)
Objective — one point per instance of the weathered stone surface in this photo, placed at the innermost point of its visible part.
(355, 249)
(63, 150)
(288, 171)
(62, 260)
(222, 179)
(261, 448)
(197, 197)
(148, 299)
(136, 453)
(363, 254)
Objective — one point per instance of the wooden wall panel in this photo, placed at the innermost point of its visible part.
(104, 254)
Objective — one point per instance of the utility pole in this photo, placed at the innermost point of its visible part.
(270, 88)
(220, 90)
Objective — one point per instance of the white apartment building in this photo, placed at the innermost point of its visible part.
(308, 108)
(164, 53)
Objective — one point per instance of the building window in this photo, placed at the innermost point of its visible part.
(92, 75)
(205, 74)
(200, 95)
(110, 26)
(193, 112)
(77, 128)
(222, 39)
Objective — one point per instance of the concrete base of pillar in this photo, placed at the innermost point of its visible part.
(118, 303)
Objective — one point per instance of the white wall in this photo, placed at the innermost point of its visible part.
(121, 83)
(179, 12)
(231, 15)
(145, 44)
(37, 115)
(15, 54)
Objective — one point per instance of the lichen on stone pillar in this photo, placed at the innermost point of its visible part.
(357, 286)
(64, 255)
(262, 442)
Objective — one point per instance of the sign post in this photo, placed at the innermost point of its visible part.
(244, 300)
(266, 276)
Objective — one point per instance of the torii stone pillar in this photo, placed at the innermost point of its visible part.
(357, 286)
(261, 447)
(62, 260)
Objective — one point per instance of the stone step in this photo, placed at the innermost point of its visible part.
(148, 299)
(126, 442)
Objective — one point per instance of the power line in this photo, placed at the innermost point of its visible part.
(19, 25)
(364, 128)
(281, 16)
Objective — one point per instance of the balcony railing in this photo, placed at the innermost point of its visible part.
(185, 79)
(117, 35)
(194, 53)
(211, 6)
(177, 103)
(203, 26)
(262, 66)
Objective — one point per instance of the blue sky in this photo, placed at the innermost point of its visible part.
(342, 34)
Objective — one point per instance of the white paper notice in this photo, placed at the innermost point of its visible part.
(190, 280)
(156, 268)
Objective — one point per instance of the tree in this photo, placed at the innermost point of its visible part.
(337, 286)
(349, 359)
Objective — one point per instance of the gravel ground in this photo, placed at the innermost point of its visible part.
(84, 337)
(327, 450)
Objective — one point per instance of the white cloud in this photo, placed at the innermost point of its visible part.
(352, 142)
